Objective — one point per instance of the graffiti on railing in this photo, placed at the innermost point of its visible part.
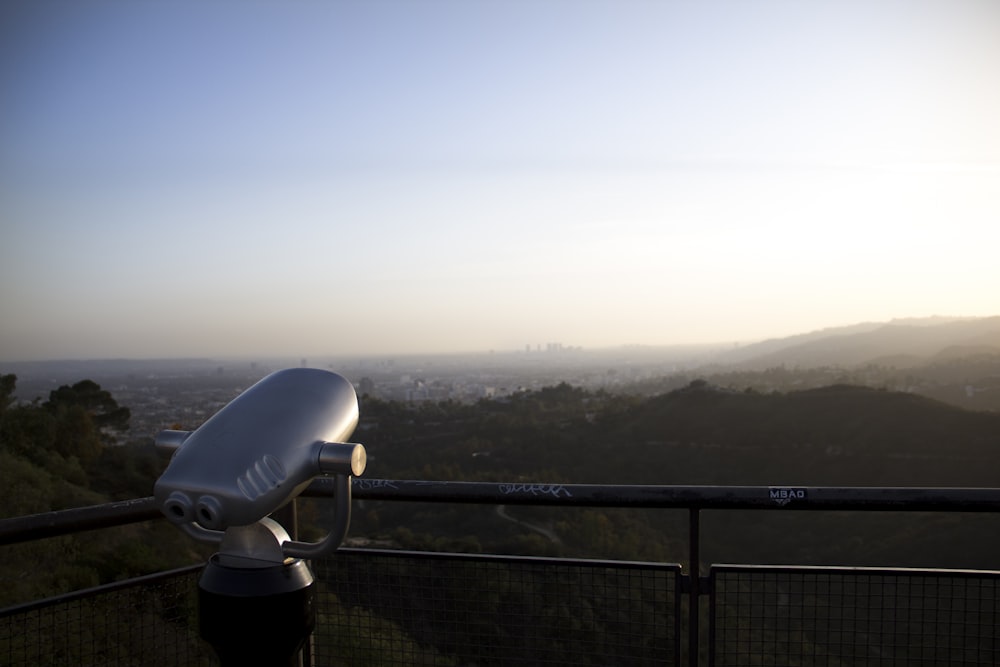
(372, 484)
(554, 490)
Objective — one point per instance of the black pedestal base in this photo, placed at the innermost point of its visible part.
(256, 616)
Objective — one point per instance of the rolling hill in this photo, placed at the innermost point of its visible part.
(904, 342)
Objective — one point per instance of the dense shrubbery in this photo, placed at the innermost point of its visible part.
(65, 453)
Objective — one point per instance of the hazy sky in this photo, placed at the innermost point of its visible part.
(313, 178)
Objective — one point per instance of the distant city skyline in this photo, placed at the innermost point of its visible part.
(310, 179)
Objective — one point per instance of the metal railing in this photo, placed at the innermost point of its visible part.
(388, 607)
(143, 621)
(413, 608)
(853, 616)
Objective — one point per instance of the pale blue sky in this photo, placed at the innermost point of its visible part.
(325, 178)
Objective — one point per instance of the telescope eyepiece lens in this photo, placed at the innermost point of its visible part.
(178, 507)
(209, 512)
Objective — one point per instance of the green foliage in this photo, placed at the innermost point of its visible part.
(53, 483)
(113, 628)
(27, 431)
(126, 471)
(493, 613)
(7, 386)
(90, 414)
(697, 434)
(56, 456)
(356, 636)
(76, 422)
(98, 404)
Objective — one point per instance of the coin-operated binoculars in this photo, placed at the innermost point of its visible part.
(224, 479)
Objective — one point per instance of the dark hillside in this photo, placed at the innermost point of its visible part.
(700, 434)
(838, 435)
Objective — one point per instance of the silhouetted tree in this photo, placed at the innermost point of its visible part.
(7, 384)
(99, 405)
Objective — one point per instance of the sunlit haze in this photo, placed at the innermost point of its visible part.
(316, 178)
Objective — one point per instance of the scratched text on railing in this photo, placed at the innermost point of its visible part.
(554, 490)
(371, 484)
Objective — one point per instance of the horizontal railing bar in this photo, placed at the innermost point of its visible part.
(727, 568)
(142, 580)
(679, 497)
(63, 522)
(513, 559)
(896, 499)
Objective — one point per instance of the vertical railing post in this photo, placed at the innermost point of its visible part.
(694, 573)
(288, 517)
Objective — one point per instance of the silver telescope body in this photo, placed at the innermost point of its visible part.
(260, 451)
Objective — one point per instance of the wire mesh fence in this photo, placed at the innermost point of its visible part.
(146, 621)
(406, 608)
(854, 616)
